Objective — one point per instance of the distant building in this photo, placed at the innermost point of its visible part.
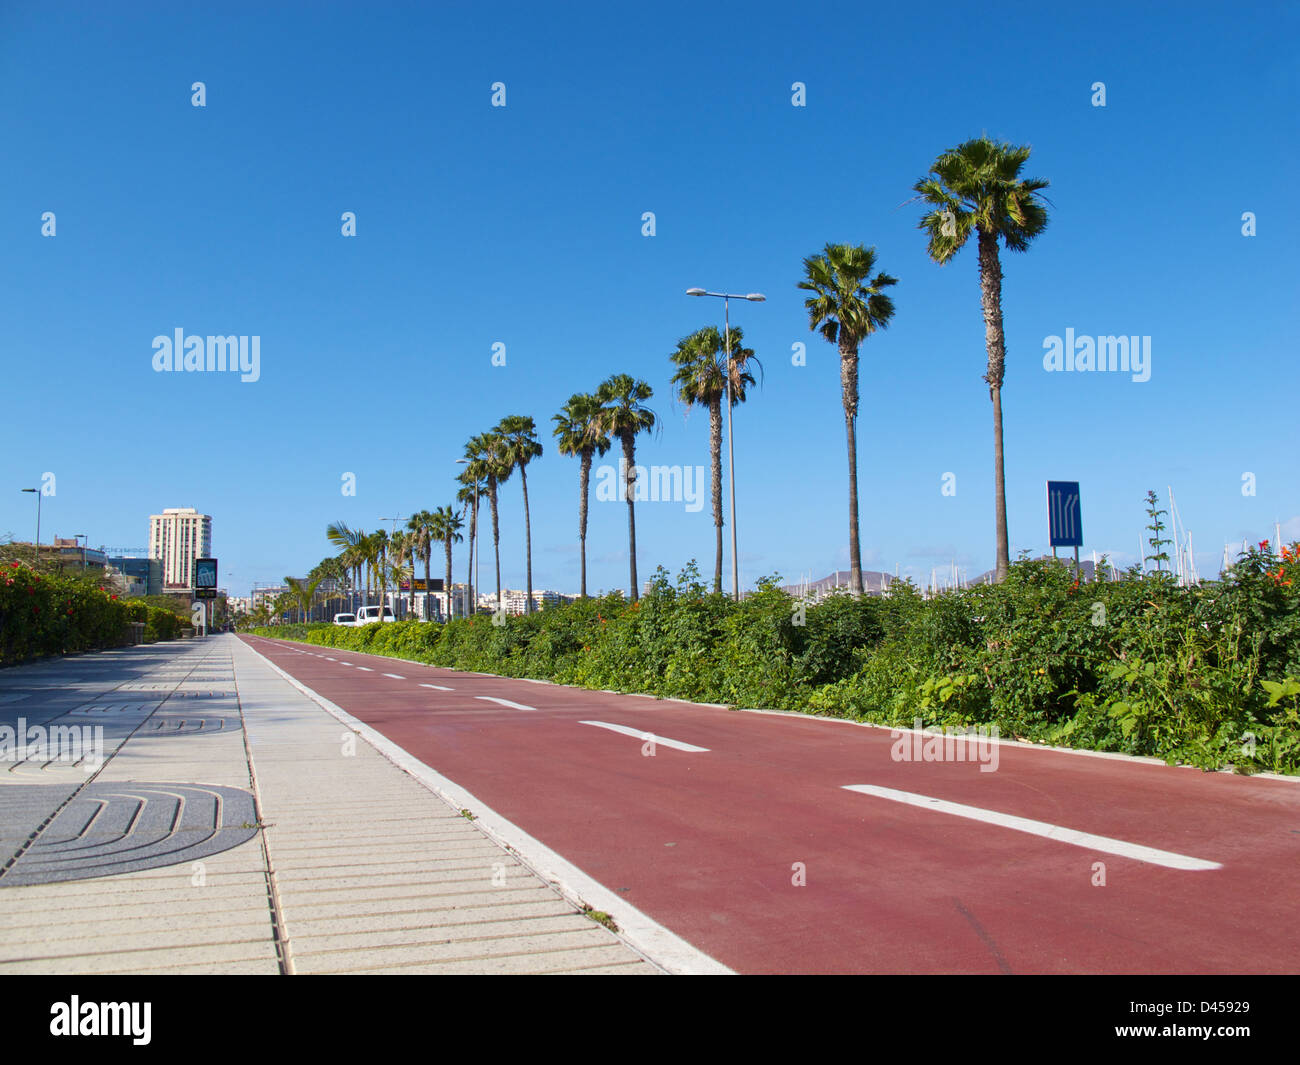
(177, 537)
(70, 554)
(516, 600)
(144, 572)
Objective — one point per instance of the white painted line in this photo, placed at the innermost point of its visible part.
(504, 702)
(365, 669)
(437, 687)
(1136, 851)
(334, 660)
(345, 663)
(395, 676)
(641, 734)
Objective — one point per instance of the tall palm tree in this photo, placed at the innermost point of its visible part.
(445, 525)
(578, 433)
(976, 187)
(401, 550)
(701, 379)
(624, 415)
(847, 306)
(419, 527)
(468, 497)
(304, 594)
(377, 559)
(353, 551)
(520, 446)
(401, 567)
(487, 461)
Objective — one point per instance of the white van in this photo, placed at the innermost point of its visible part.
(345, 619)
(369, 615)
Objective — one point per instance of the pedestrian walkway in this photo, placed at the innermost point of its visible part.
(182, 808)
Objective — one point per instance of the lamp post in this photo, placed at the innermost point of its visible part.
(84, 538)
(727, 297)
(473, 550)
(37, 545)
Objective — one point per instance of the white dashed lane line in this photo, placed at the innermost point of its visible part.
(1124, 849)
(437, 687)
(504, 702)
(641, 734)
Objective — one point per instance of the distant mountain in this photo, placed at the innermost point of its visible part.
(873, 582)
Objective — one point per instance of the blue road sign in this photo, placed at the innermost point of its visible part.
(1064, 518)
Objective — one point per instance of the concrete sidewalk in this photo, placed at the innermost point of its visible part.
(235, 826)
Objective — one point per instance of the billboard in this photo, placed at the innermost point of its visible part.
(205, 578)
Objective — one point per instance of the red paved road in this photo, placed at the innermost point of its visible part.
(705, 843)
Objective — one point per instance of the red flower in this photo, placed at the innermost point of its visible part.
(112, 597)
(1263, 545)
(13, 565)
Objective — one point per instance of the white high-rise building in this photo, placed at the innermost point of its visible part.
(177, 537)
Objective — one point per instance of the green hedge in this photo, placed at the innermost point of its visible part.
(49, 614)
(1208, 676)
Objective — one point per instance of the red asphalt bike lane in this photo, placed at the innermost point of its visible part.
(711, 844)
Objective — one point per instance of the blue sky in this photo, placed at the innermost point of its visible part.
(523, 225)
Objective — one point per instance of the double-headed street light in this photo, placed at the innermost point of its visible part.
(727, 297)
(38, 524)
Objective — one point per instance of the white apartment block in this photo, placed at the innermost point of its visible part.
(177, 537)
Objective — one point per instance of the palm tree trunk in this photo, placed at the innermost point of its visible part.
(410, 602)
(584, 476)
(447, 544)
(496, 537)
(629, 474)
(428, 591)
(995, 342)
(849, 384)
(469, 564)
(715, 453)
(528, 541)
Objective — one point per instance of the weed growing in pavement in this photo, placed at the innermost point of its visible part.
(600, 917)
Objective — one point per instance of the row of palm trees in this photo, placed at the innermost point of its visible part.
(973, 189)
(389, 558)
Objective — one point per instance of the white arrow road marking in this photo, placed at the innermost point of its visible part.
(504, 702)
(437, 687)
(1168, 859)
(641, 734)
(394, 676)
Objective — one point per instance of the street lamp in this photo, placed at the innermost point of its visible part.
(83, 537)
(38, 524)
(473, 550)
(727, 297)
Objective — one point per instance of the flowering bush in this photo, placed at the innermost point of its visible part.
(51, 614)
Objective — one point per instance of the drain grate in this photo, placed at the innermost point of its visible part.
(118, 828)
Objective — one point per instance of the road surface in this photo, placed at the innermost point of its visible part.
(781, 844)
